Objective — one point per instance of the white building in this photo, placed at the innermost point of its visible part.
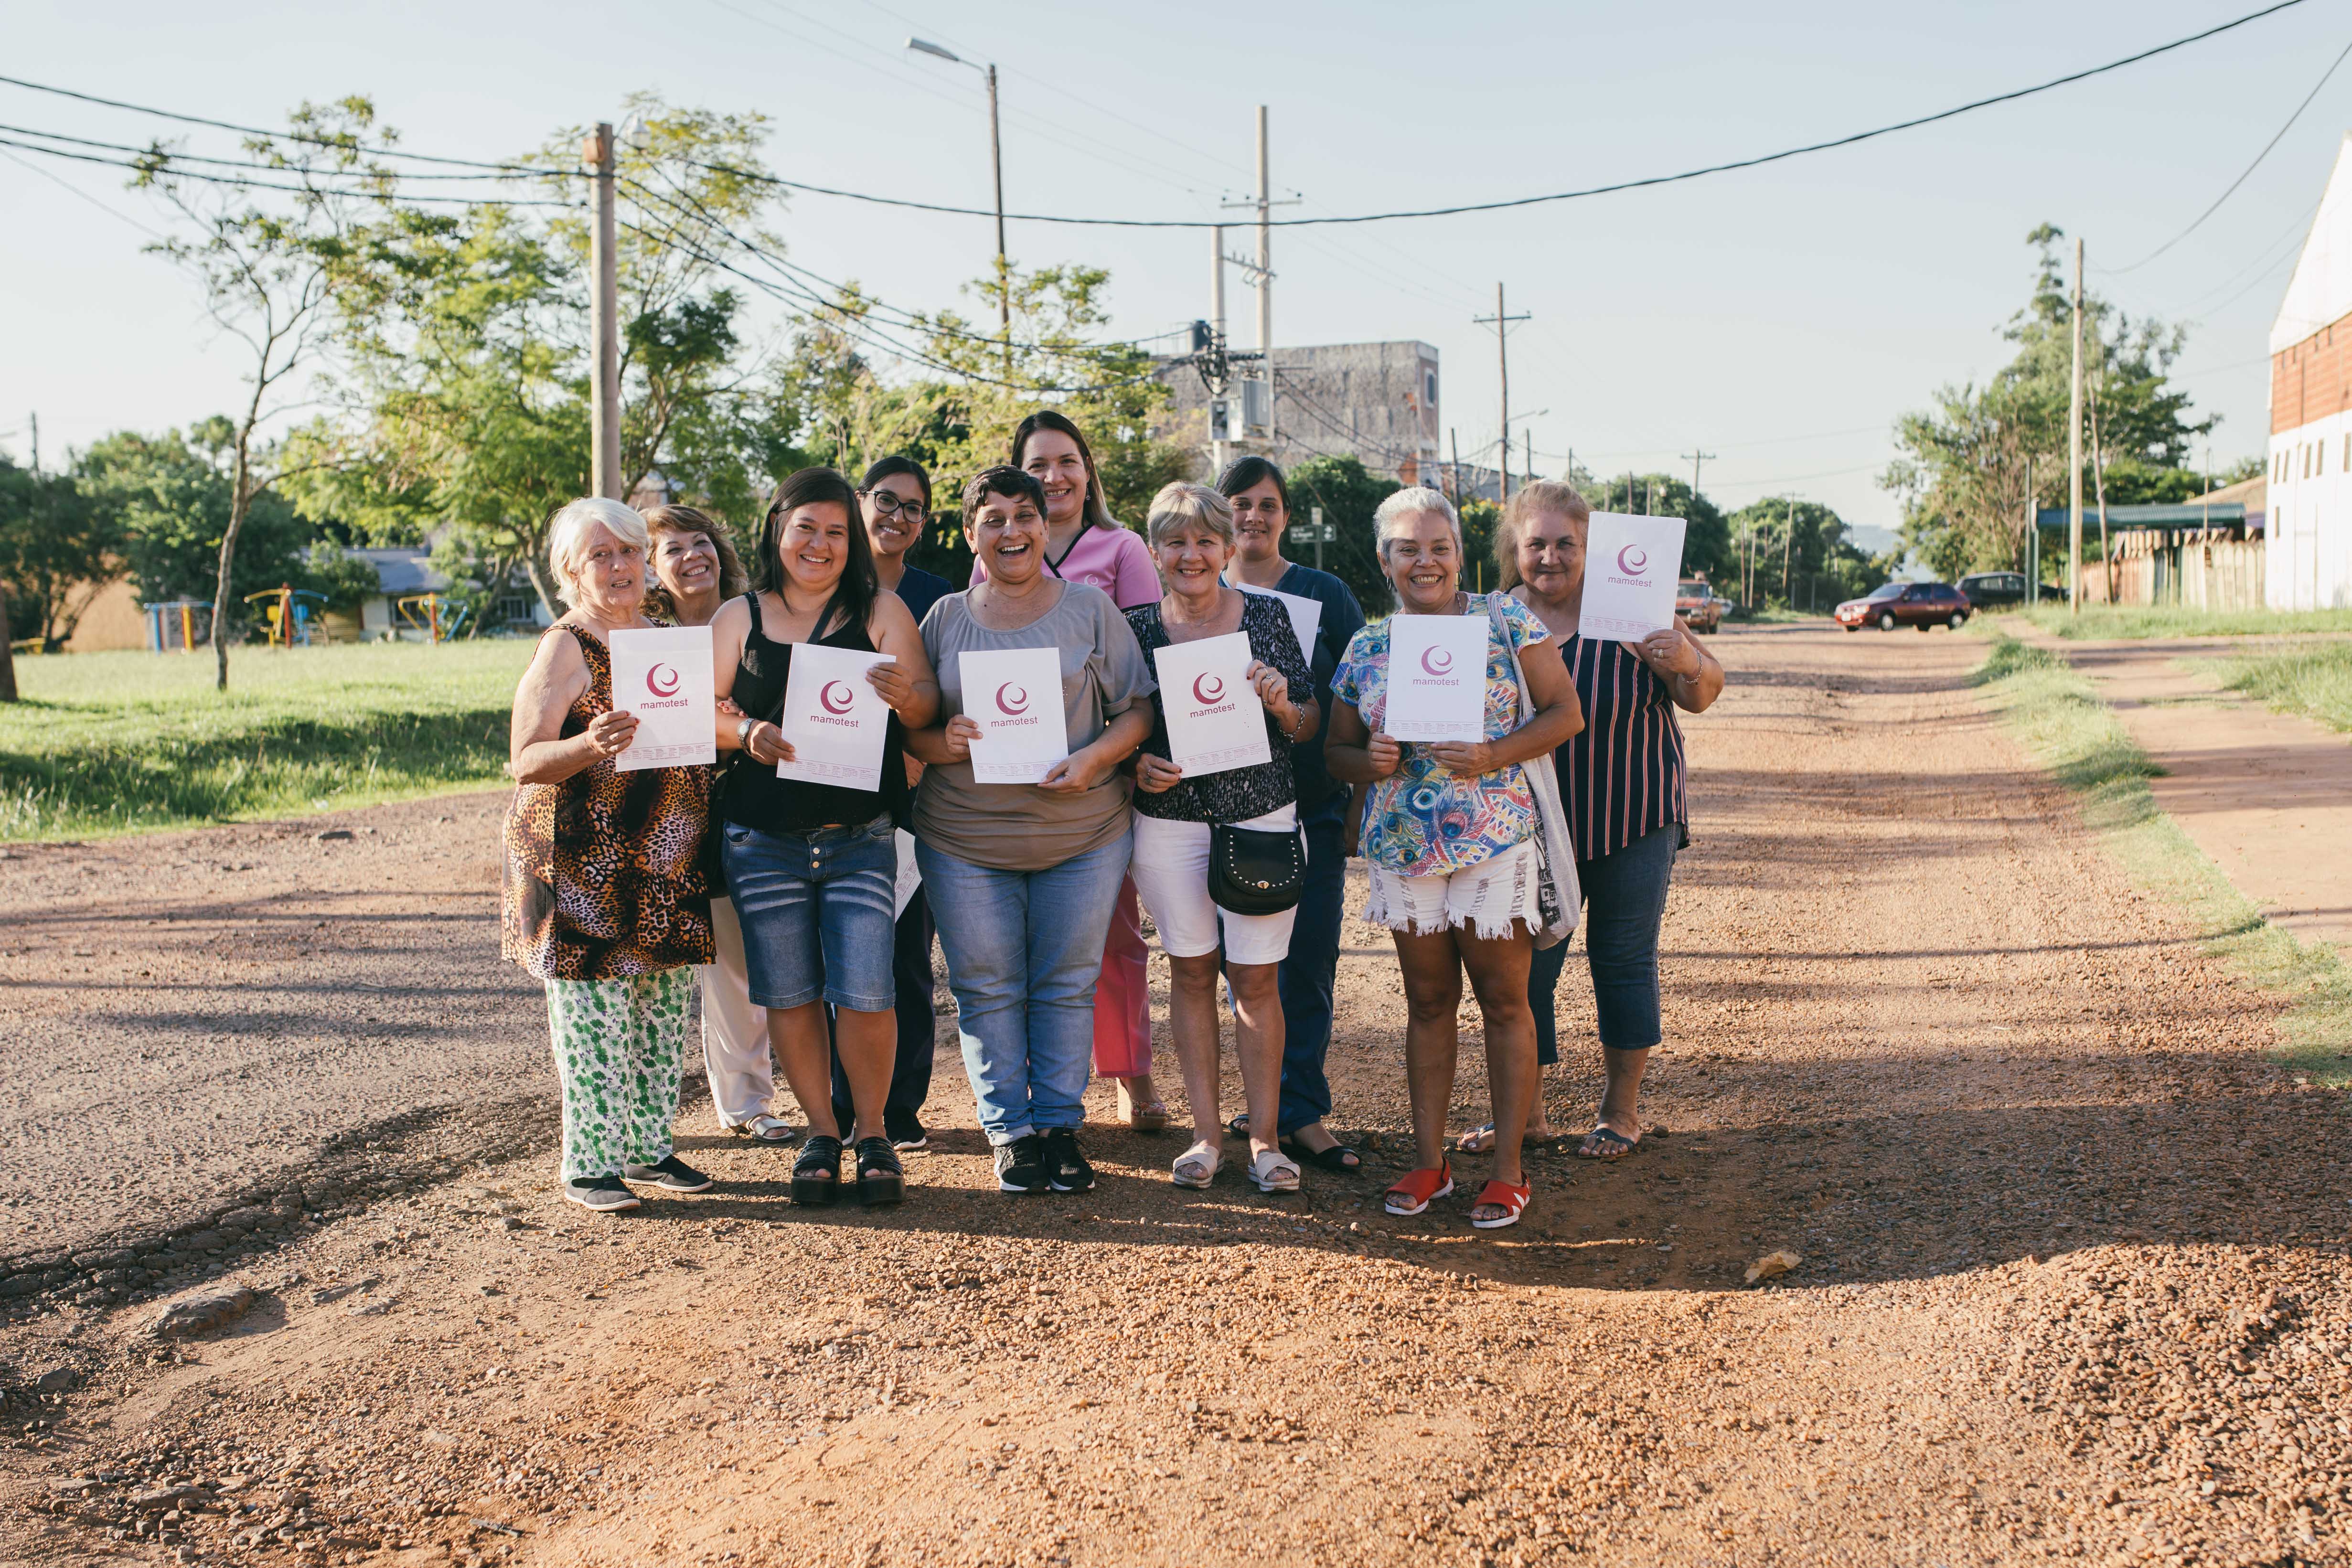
(2308, 563)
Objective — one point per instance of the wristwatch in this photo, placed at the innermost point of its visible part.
(743, 733)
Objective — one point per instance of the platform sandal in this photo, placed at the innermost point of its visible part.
(880, 1177)
(1416, 1190)
(817, 1175)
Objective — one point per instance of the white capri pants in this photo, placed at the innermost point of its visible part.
(1172, 875)
(734, 1029)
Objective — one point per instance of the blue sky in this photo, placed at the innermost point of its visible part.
(1779, 319)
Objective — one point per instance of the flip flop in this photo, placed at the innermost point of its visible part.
(1613, 1145)
(1477, 1140)
(1337, 1158)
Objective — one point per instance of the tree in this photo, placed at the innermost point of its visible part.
(1349, 494)
(1802, 555)
(59, 549)
(1708, 547)
(170, 500)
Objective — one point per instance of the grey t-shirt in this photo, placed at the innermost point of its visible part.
(1019, 827)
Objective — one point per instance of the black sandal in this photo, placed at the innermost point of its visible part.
(817, 1175)
(1337, 1158)
(880, 1177)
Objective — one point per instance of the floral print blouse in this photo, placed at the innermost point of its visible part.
(1422, 821)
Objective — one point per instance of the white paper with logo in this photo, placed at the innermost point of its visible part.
(1216, 723)
(663, 675)
(1437, 678)
(1014, 694)
(1630, 565)
(834, 719)
(1306, 616)
(910, 875)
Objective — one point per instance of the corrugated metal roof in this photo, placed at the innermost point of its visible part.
(2186, 515)
(399, 571)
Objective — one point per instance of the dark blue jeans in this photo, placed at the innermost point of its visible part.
(910, 968)
(1304, 978)
(1624, 900)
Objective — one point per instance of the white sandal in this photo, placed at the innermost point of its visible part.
(1203, 1160)
(1275, 1171)
(764, 1129)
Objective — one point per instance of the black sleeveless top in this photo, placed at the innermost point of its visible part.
(755, 796)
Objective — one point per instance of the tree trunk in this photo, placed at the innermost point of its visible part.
(7, 652)
(547, 597)
(240, 500)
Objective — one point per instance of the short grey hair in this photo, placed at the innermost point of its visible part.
(568, 531)
(1414, 501)
(1179, 504)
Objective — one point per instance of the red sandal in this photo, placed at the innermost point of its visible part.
(1416, 1190)
(1511, 1199)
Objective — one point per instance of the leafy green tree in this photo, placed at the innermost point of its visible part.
(1349, 494)
(59, 549)
(172, 498)
(1804, 557)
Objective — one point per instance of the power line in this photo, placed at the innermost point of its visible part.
(147, 166)
(159, 154)
(2273, 141)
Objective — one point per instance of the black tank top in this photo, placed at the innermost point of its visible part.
(755, 796)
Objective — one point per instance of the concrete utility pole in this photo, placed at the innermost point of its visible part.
(996, 172)
(1697, 458)
(1217, 342)
(1265, 253)
(2075, 455)
(1454, 442)
(1501, 321)
(604, 337)
(1527, 455)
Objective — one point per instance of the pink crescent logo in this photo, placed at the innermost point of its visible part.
(662, 680)
(1631, 560)
(843, 703)
(1208, 688)
(1011, 700)
(1436, 661)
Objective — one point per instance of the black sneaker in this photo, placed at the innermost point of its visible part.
(1021, 1164)
(905, 1132)
(1066, 1167)
(670, 1173)
(605, 1194)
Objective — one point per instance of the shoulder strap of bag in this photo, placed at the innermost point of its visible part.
(1559, 860)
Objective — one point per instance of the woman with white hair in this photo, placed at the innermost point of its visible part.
(1203, 844)
(1450, 831)
(606, 901)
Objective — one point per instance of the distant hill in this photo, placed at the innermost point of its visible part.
(1871, 539)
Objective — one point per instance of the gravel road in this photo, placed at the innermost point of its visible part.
(2073, 1282)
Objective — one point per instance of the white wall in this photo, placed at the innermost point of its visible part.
(2309, 558)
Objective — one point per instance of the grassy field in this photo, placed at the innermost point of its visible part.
(2098, 621)
(2068, 730)
(116, 743)
(2315, 682)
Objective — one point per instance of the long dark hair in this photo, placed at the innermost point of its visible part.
(899, 463)
(1098, 510)
(855, 594)
(1248, 474)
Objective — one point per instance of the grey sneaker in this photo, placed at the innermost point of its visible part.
(670, 1173)
(603, 1194)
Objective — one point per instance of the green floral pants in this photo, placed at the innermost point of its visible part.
(619, 1048)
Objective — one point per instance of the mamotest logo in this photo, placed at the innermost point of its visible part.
(1438, 665)
(1013, 702)
(1209, 693)
(847, 700)
(1631, 560)
(662, 680)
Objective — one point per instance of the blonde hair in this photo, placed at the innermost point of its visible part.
(1181, 503)
(733, 579)
(1415, 501)
(1535, 496)
(568, 531)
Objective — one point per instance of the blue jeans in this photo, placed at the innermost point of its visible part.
(1305, 976)
(1022, 950)
(815, 909)
(1625, 899)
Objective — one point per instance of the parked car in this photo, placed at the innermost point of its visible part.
(1992, 590)
(1695, 603)
(1892, 604)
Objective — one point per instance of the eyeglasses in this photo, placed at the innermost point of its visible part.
(891, 505)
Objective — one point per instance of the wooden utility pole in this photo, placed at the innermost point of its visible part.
(2075, 455)
(1004, 267)
(1501, 321)
(605, 337)
(1788, 546)
(1695, 459)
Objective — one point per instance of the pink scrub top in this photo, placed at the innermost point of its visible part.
(1115, 560)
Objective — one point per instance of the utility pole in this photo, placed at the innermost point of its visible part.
(1788, 544)
(996, 172)
(1501, 321)
(7, 628)
(1528, 459)
(1264, 257)
(2075, 455)
(1695, 458)
(1217, 344)
(604, 439)
(1454, 442)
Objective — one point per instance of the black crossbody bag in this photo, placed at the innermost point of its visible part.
(1253, 871)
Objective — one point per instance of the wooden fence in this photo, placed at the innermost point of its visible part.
(2177, 567)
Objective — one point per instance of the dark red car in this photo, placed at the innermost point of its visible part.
(1892, 604)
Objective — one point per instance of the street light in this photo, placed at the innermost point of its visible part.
(996, 167)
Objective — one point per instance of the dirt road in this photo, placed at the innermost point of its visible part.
(2075, 1281)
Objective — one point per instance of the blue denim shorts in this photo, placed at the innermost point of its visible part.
(816, 913)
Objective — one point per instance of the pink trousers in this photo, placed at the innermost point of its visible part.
(1123, 993)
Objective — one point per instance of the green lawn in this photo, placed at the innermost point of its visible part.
(2098, 621)
(2315, 682)
(116, 743)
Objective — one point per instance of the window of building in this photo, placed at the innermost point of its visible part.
(1429, 388)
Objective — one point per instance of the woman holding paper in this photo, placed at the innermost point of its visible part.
(809, 841)
(1083, 543)
(1211, 644)
(696, 570)
(1021, 823)
(1452, 825)
(1622, 781)
(604, 898)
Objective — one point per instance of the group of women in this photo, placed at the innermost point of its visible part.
(787, 898)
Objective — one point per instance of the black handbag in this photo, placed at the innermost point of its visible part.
(1252, 871)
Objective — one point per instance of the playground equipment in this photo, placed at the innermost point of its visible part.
(293, 614)
(178, 625)
(435, 614)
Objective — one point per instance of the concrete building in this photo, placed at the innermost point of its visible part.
(2309, 504)
(1375, 402)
